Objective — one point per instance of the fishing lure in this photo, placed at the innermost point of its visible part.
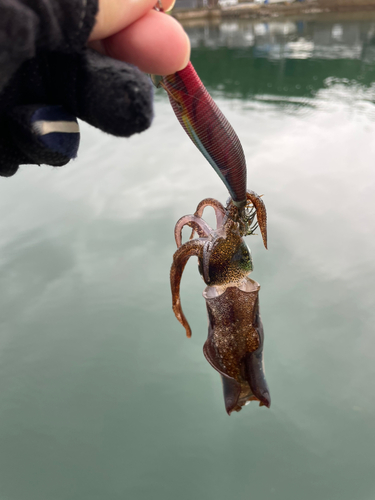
(208, 128)
(234, 346)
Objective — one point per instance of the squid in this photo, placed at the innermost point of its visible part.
(234, 346)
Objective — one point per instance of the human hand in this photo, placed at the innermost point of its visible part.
(133, 32)
(58, 78)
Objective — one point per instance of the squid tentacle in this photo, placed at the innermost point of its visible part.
(261, 211)
(180, 258)
(216, 205)
(199, 225)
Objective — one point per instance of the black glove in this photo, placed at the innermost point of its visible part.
(48, 77)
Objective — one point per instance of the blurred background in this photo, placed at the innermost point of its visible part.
(101, 394)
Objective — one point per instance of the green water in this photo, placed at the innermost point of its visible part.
(101, 394)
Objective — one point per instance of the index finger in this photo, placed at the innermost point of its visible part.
(115, 15)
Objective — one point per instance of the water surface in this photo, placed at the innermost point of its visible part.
(101, 395)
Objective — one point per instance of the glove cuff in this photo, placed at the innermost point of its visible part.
(44, 134)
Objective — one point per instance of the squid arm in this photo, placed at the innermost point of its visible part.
(216, 205)
(261, 211)
(198, 225)
(180, 258)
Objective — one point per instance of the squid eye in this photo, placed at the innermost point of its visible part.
(242, 258)
(222, 265)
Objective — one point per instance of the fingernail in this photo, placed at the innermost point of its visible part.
(171, 6)
(187, 55)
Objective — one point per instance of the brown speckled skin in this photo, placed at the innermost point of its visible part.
(235, 342)
(232, 334)
(229, 258)
(180, 258)
(234, 346)
(223, 256)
